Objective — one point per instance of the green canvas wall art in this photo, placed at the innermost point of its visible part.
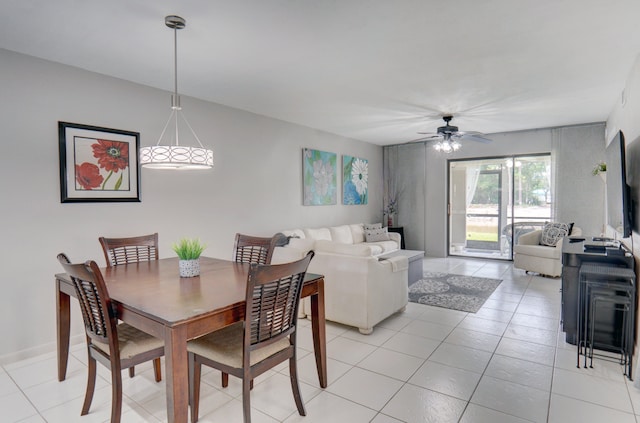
(319, 169)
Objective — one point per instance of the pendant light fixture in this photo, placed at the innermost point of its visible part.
(173, 155)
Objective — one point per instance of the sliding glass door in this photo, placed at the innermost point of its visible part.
(493, 201)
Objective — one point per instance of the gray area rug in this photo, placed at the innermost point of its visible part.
(457, 292)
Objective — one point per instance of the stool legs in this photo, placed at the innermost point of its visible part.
(598, 285)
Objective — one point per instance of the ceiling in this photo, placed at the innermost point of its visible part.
(374, 70)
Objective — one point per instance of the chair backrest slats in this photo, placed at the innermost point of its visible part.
(129, 250)
(253, 249)
(95, 304)
(273, 296)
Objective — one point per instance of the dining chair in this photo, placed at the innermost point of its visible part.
(131, 250)
(253, 249)
(116, 345)
(265, 338)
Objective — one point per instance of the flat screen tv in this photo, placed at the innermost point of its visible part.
(633, 180)
(618, 199)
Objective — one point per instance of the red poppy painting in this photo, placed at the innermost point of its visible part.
(88, 176)
(98, 164)
(111, 155)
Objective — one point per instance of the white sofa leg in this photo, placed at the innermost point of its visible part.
(365, 331)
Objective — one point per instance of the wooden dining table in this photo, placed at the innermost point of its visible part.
(152, 297)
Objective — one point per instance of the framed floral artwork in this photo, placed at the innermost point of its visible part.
(355, 180)
(319, 169)
(98, 164)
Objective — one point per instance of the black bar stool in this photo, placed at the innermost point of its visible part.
(616, 287)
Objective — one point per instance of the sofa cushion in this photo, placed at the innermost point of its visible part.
(379, 234)
(360, 250)
(341, 234)
(385, 246)
(553, 232)
(303, 244)
(317, 234)
(357, 232)
(541, 251)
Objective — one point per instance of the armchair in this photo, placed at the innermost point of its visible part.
(530, 256)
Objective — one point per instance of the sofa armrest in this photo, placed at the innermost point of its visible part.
(286, 255)
(394, 236)
(360, 250)
(398, 263)
(530, 238)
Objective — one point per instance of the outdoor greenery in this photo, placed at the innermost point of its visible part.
(532, 186)
(482, 236)
(188, 249)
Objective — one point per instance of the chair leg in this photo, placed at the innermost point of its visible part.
(132, 371)
(246, 400)
(157, 369)
(91, 385)
(295, 386)
(116, 394)
(225, 379)
(195, 371)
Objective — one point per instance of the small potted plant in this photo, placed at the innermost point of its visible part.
(188, 251)
(600, 168)
(390, 211)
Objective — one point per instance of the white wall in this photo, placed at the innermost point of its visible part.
(422, 174)
(626, 117)
(254, 188)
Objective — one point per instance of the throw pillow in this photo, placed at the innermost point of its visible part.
(552, 233)
(378, 234)
(369, 226)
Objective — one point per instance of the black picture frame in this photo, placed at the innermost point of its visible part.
(98, 164)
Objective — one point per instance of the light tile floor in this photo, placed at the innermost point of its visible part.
(506, 363)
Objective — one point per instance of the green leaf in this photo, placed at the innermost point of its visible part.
(119, 182)
(188, 249)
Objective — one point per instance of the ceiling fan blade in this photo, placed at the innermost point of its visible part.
(423, 139)
(416, 141)
(478, 138)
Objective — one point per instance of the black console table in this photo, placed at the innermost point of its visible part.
(573, 255)
(400, 230)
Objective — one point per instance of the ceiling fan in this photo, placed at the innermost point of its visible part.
(448, 137)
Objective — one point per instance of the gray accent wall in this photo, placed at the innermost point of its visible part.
(421, 173)
(580, 196)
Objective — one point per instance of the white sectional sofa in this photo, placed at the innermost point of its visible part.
(361, 290)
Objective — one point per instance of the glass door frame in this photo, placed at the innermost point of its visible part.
(510, 215)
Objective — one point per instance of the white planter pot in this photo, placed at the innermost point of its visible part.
(189, 268)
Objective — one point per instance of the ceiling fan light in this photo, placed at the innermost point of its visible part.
(446, 146)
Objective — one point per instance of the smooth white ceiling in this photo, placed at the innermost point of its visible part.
(375, 70)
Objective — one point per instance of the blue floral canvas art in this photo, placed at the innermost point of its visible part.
(355, 180)
(319, 170)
